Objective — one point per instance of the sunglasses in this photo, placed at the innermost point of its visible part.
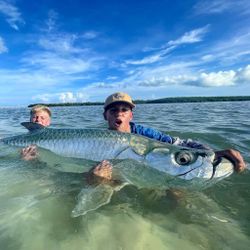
(116, 110)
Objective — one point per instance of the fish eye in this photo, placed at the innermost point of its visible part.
(185, 157)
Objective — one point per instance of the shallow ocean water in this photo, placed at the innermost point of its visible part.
(36, 201)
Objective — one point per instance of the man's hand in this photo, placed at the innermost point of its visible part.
(103, 170)
(234, 156)
(29, 153)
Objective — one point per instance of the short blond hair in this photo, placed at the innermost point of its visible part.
(38, 108)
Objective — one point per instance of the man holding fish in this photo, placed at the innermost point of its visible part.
(118, 112)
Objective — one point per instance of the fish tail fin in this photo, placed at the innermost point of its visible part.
(32, 126)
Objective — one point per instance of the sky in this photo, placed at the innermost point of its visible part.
(76, 51)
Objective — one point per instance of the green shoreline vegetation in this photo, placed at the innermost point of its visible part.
(155, 101)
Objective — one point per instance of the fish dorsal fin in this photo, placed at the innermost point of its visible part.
(32, 126)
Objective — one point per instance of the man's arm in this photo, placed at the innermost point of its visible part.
(189, 143)
(160, 136)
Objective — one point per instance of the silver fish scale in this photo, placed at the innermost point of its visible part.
(79, 143)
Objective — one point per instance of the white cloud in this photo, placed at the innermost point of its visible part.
(212, 79)
(51, 21)
(214, 6)
(3, 48)
(152, 58)
(105, 85)
(13, 16)
(90, 35)
(61, 97)
(221, 78)
(166, 81)
(243, 75)
(57, 64)
(233, 50)
(24, 77)
(112, 78)
(145, 60)
(67, 97)
(192, 36)
(60, 53)
(162, 83)
(30, 82)
(171, 69)
(207, 58)
(52, 63)
(61, 43)
(220, 6)
(44, 98)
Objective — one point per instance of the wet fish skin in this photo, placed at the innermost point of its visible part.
(98, 144)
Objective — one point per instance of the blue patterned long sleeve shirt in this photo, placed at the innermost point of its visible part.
(157, 135)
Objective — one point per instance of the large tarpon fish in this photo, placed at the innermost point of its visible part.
(157, 159)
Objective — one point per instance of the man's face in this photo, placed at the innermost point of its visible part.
(118, 117)
(41, 117)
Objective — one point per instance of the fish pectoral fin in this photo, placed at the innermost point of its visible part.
(90, 199)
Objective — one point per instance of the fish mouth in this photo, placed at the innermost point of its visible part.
(186, 172)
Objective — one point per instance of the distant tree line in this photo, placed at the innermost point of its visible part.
(197, 99)
(162, 100)
(67, 104)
